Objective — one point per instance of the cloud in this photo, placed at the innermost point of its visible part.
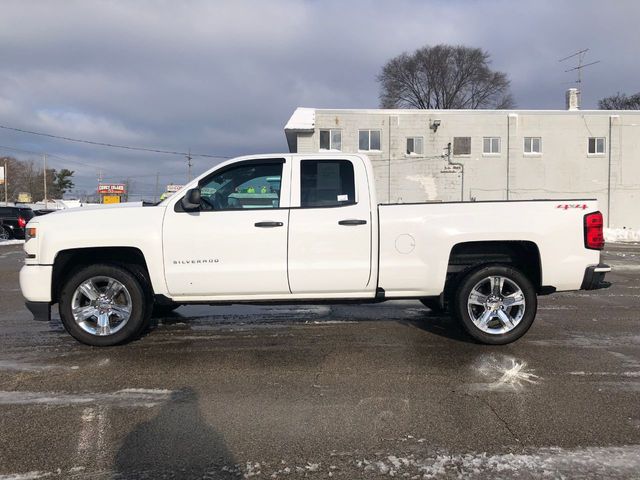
(223, 77)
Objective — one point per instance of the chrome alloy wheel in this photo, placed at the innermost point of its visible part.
(101, 306)
(496, 305)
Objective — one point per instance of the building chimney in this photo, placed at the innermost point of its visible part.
(573, 99)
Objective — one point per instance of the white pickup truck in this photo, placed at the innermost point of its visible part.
(306, 228)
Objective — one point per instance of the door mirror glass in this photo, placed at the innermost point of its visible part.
(191, 201)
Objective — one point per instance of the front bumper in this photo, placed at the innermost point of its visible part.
(594, 277)
(35, 283)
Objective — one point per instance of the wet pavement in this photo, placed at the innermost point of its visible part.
(323, 391)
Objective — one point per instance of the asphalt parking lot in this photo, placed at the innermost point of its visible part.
(325, 391)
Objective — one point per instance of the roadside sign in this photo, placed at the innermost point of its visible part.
(111, 199)
(24, 197)
(112, 189)
(1, 175)
(173, 188)
(451, 169)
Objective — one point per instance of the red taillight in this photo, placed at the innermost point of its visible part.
(593, 231)
(22, 222)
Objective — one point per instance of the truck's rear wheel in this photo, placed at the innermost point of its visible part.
(103, 305)
(496, 304)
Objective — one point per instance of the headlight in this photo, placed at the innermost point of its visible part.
(30, 233)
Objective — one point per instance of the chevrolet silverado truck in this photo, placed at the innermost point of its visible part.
(306, 228)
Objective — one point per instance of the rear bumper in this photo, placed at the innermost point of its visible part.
(594, 277)
(41, 310)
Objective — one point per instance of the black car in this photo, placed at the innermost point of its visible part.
(13, 220)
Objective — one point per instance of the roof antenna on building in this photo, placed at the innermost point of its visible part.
(580, 54)
(573, 94)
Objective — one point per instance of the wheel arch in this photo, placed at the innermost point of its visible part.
(68, 261)
(521, 254)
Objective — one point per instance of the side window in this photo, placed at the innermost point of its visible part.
(331, 139)
(368, 140)
(327, 183)
(253, 185)
(597, 145)
(414, 145)
(532, 145)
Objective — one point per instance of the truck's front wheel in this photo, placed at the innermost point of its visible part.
(496, 304)
(103, 305)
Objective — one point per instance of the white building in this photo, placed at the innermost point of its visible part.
(499, 154)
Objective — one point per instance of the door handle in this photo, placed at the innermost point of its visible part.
(268, 224)
(352, 222)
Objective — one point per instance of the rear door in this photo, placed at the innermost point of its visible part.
(329, 227)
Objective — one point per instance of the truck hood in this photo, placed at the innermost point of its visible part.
(101, 226)
(94, 207)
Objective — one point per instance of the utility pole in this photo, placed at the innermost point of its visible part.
(189, 165)
(44, 161)
(155, 194)
(6, 180)
(99, 182)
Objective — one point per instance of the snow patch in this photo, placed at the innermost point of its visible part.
(505, 373)
(614, 235)
(25, 476)
(128, 397)
(609, 462)
(4, 243)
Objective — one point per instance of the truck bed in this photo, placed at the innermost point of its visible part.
(416, 240)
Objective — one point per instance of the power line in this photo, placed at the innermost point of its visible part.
(113, 145)
(33, 152)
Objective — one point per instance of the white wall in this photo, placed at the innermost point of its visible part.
(564, 170)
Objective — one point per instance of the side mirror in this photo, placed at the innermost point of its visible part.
(191, 201)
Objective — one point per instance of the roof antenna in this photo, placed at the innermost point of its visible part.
(580, 54)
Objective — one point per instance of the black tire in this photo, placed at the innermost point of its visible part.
(160, 310)
(433, 304)
(140, 305)
(5, 234)
(471, 279)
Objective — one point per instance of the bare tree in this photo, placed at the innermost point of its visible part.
(443, 77)
(620, 101)
(26, 176)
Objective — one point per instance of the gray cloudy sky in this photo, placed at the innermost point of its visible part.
(224, 77)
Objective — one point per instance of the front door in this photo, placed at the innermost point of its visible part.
(330, 228)
(237, 243)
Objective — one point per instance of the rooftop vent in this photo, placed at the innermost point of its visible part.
(573, 99)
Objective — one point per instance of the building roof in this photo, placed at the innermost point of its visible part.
(302, 119)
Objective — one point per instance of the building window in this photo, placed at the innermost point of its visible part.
(462, 145)
(327, 183)
(369, 140)
(533, 145)
(331, 139)
(491, 145)
(415, 146)
(597, 145)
